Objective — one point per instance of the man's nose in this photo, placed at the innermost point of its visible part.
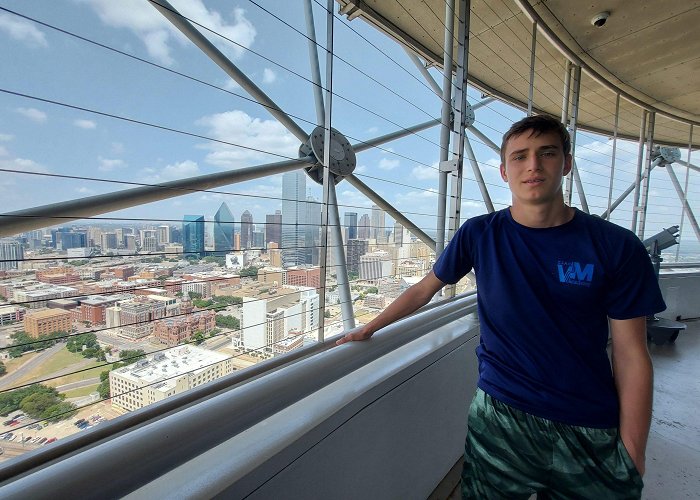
(534, 163)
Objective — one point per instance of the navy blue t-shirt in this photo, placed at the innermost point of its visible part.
(544, 298)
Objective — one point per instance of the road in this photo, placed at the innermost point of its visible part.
(79, 384)
(10, 379)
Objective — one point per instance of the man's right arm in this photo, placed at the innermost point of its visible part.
(412, 299)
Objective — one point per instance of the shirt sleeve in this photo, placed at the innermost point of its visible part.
(634, 289)
(456, 260)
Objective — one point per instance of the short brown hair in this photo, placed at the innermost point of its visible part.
(538, 125)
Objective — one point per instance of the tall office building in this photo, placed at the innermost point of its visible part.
(11, 254)
(108, 241)
(273, 228)
(293, 218)
(312, 232)
(193, 235)
(246, 230)
(163, 235)
(378, 231)
(223, 230)
(350, 226)
(356, 249)
(363, 228)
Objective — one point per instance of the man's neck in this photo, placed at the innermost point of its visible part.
(539, 216)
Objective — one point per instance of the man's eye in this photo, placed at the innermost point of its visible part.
(518, 157)
(548, 154)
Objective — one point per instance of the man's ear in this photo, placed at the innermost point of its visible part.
(503, 173)
(568, 164)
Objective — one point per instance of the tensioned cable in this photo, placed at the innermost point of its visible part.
(189, 190)
(126, 54)
(161, 380)
(152, 281)
(214, 307)
(408, 101)
(350, 28)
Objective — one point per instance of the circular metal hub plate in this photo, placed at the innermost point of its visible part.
(342, 156)
(670, 155)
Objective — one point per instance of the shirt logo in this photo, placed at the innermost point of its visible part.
(574, 273)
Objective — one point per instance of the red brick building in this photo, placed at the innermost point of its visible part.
(180, 329)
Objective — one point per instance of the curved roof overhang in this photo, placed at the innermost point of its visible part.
(648, 52)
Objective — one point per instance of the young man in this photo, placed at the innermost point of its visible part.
(550, 415)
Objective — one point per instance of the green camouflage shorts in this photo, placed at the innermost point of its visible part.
(512, 454)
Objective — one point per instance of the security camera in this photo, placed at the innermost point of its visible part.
(600, 18)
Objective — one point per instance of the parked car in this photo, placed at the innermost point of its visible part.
(8, 422)
(50, 440)
(18, 416)
(8, 436)
(80, 422)
(42, 440)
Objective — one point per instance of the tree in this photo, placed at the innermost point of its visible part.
(326, 314)
(230, 322)
(194, 295)
(352, 275)
(251, 271)
(129, 356)
(198, 337)
(104, 389)
(372, 289)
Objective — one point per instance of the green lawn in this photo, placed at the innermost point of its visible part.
(63, 359)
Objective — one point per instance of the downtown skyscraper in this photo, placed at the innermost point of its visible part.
(223, 230)
(273, 228)
(293, 218)
(246, 230)
(193, 235)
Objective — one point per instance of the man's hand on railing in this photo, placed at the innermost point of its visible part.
(408, 302)
(361, 333)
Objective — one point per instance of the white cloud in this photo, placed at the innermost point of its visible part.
(6, 137)
(425, 173)
(240, 128)
(22, 30)
(24, 165)
(373, 130)
(387, 164)
(3, 151)
(180, 170)
(117, 148)
(157, 33)
(231, 85)
(84, 190)
(269, 76)
(107, 165)
(86, 124)
(33, 114)
(360, 169)
(19, 164)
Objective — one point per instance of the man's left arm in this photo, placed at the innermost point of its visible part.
(633, 374)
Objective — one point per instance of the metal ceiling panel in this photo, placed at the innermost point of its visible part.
(646, 50)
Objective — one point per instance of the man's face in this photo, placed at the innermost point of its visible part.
(534, 167)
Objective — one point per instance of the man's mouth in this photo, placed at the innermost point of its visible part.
(534, 181)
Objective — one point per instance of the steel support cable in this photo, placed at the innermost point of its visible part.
(348, 27)
(361, 142)
(225, 90)
(213, 307)
(572, 56)
(240, 330)
(580, 146)
(233, 356)
(131, 290)
(128, 358)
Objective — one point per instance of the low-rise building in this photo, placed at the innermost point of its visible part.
(165, 374)
(173, 331)
(47, 321)
(375, 301)
(11, 314)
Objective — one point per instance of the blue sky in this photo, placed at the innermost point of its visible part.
(40, 137)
